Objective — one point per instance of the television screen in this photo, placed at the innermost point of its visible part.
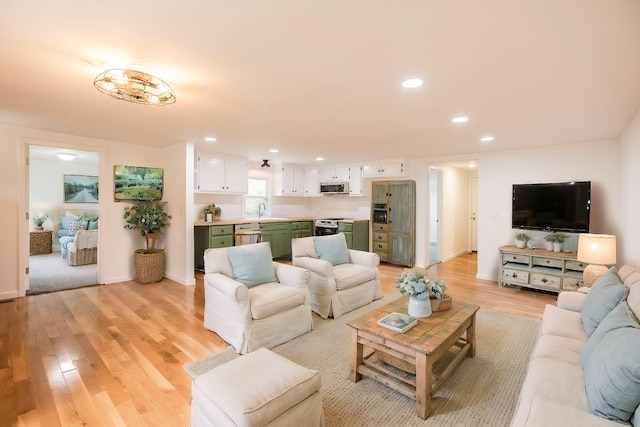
(560, 206)
(137, 183)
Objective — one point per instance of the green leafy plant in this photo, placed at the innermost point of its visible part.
(40, 219)
(524, 237)
(148, 218)
(556, 238)
(417, 284)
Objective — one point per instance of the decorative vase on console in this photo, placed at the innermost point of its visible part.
(420, 290)
(522, 239)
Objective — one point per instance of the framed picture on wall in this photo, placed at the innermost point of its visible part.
(80, 189)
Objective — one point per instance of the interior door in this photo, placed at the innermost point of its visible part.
(435, 212)
(473, 189)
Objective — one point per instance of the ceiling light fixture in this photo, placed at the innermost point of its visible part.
(274, 150)
(487, 139)
(460, 119)
(135, 86)
(412, 83)
(66, 156)
(210, 139)
(265, 164)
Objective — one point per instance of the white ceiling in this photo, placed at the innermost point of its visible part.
(322, 78)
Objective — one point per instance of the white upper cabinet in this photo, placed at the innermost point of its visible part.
(334, 174)
(215, 175)
(311, 182)
(355, 187)
(292, 181)
(383, 169)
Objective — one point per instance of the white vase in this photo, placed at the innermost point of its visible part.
(557, 247)
(520, 243)
(548, 245)
(419, 307)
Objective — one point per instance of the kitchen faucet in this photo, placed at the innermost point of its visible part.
(262, 209)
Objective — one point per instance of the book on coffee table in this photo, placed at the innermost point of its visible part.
(398, 322)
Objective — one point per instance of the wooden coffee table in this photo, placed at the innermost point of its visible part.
(450, 333)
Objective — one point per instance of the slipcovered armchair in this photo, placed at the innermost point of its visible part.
(83, 249)
(341, 279)
(253, 302)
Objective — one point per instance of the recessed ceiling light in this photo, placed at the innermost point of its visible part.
(487, 138)
(274, 150)
(210, 139)
(66, 156)
(319, 159)
(472, 165)
(460, 119)
(412, 83)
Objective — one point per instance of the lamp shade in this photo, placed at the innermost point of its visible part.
(597, 249)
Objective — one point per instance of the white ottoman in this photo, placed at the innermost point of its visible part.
(258, 389)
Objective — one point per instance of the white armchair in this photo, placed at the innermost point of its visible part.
(271, 307)
(83, 249)
(341, 279)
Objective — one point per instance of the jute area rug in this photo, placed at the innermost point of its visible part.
(483, 391)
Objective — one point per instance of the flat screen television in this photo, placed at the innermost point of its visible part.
(137, 183)
(558, 206)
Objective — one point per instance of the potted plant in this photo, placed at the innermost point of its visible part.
(522, 239)
(39, 220)
(150, 220)
(558, 240)
(422, 292)
(549, 239)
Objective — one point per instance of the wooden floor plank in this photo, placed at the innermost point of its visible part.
(114, 354)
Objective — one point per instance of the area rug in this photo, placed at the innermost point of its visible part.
(483, 391)
(50, 273)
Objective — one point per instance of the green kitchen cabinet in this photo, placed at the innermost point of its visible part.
(380, 192)
(278, 234)
(356, 233)
(212, 236)
(301, 229)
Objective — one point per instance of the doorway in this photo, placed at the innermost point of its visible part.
(435, 212)
(62, 204)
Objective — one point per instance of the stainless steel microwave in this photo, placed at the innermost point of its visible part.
(334, 187)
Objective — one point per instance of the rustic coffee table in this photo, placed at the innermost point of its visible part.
(446, 337)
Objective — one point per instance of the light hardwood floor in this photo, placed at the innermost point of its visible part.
(113, 355)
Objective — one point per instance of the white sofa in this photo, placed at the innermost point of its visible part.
(341, 279)
(585, 367)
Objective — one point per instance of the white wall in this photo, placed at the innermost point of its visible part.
(629, 236)
(597, 162)
(116, 243)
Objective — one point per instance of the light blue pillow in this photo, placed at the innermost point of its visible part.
(332, 248)
(603, 297)
(252, 264)
(93, 224)
(611, 368)
(65, 220)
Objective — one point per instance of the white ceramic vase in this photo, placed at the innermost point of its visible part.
(557, 247)
(419, 307)
(548, 245)
(520, 243)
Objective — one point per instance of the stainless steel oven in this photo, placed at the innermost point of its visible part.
(325, 227)
(379, 213)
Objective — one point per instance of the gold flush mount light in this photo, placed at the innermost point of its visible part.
(135, 86)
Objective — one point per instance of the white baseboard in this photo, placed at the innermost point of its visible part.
(8, 295)
(185, 282)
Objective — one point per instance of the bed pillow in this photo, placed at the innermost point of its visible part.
(252, 264)
(603, 297)
(332, 248)
(611, 369)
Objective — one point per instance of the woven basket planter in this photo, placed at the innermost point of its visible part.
(149, 265)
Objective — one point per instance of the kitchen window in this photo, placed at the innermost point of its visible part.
(256, 202)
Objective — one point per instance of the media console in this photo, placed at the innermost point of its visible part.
(540, 269)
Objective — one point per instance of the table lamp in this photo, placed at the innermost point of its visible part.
(599, 251)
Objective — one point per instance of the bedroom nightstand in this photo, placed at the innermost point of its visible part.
(40, 242)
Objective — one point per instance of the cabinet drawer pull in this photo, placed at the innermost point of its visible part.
(514, 257)
(548, 261)
(544, 280)
(514, 275)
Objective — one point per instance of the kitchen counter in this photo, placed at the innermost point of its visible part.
(266, 220)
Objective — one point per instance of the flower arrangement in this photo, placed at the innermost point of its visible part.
(146, 218)
(40, 219)
(417, 284)
(555, 238)
(523, 237)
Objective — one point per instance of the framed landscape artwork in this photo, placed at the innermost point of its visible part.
(80, 189)
(137, 183)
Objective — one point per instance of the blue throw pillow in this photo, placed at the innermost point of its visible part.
(252, 264)
(332, 248)
(93, 224)
(65, 220)
(611, 368)
(603, 297)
